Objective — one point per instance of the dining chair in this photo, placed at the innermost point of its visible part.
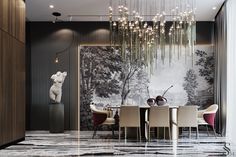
(129, 117)
(207, 117)
(159, 116)
(187, 117)
(101, 117)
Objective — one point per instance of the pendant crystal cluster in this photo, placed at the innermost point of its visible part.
(146, 29)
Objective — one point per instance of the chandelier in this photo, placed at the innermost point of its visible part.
(146, 29)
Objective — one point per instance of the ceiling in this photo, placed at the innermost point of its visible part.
(95, 10)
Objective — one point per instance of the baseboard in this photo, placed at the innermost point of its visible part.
(11, 143)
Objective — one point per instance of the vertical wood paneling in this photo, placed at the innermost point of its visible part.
(20, 20)
(4, 14)
(12, 17)
(7, 86)
(12, 69)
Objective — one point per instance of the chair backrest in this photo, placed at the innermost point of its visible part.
(95, 110)
(129, 116)
(209, 114)
(187, 116)
(159, 116)
(212, 109)
(98, 116)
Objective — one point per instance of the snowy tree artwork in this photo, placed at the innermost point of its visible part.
(105, 79)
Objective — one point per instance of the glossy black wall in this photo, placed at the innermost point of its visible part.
(43, 40)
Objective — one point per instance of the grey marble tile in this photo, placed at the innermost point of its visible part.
(42, 143)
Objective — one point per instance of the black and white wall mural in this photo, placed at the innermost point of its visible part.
(107, 80)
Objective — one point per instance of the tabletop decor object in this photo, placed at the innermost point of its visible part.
(160, 99)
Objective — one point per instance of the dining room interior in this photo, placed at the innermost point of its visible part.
(117, 78)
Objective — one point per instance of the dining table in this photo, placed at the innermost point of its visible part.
(144, 118)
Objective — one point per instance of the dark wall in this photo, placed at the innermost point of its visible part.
(47, 38)
(12, 71)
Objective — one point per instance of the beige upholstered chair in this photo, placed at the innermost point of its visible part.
(187, 117)
(101, 117)
(159, 116)
(129, 117)
(207, 117)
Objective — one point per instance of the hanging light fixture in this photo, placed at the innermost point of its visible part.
(140, 28)
(57, 57)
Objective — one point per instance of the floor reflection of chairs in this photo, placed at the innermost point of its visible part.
(159, 117)
(129, 117)
(187, 117)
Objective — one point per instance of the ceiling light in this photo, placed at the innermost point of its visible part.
(214, 8)
(140, 40)
(51, 6)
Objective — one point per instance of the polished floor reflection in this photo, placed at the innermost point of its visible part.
(42, 143)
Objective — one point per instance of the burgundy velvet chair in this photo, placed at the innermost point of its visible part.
(207, 117)
(101, 117)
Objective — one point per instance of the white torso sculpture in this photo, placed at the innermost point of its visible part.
(55, 91)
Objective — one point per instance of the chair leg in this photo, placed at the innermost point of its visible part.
(119, 134)
(94, 132)
(125, 132)
(189, 132)
(149, 133)
(207, 130)
(112, 128)
(157, 129)
(164, 133)
(214, 132)
(169, 133)
(177, 132)
(197, 132)
(139, 134)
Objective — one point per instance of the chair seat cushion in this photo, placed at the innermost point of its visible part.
(109, 121)
(201, 121)
(200, 113)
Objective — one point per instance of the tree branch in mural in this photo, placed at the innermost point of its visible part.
(138, 85)
(97, 68)
(190, 86)
(128, 71)
(131, 71)
(206, 64)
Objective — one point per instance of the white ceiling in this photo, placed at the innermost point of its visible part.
(38, 10)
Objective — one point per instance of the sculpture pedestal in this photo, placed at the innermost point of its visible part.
(56, 118)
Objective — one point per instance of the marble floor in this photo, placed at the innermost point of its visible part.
(42, 143)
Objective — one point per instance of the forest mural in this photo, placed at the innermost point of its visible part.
(107, 80)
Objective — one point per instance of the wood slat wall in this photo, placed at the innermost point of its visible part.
(12, 71)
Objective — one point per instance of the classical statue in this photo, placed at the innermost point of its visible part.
(55, 91)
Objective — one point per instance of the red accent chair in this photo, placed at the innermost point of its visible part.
(101, 117)
(207, 117)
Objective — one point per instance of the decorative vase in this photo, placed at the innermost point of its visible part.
(160, 100)
(151, 101)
